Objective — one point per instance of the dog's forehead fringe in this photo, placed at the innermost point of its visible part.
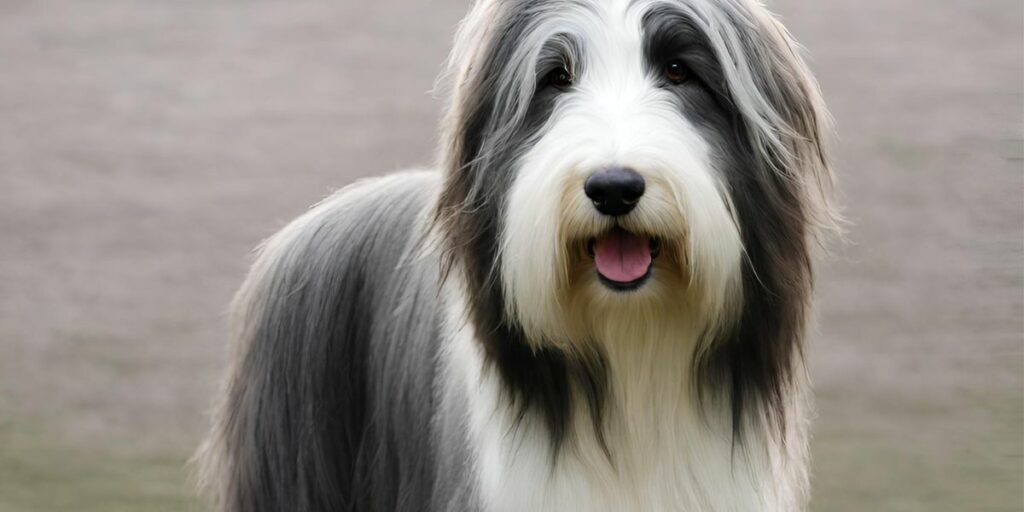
(505, 38)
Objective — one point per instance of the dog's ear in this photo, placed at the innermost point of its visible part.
(488, 97)
(461, 84)
(782, 200)
(783, 110)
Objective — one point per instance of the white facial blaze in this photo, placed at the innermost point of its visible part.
(616, 114)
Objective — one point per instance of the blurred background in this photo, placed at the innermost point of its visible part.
(147, 146)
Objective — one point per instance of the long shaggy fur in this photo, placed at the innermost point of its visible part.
(439, 340)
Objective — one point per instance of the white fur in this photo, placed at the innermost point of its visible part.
(665, 455)
(616, 115)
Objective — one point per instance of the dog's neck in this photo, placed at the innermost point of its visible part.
(660, 450)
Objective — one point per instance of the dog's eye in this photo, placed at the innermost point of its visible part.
(559, 77)
(676, 72)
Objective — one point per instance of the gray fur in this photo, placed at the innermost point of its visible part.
(329, 404)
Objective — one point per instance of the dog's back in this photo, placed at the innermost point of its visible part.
(335, 327)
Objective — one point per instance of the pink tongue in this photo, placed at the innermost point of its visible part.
(622, 256)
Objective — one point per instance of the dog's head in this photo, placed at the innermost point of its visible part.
(633, 163)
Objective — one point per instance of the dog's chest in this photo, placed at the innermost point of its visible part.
(653, 468)
(664, 455)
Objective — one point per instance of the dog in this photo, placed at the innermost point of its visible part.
(597, 300)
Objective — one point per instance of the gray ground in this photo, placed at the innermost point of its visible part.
(146, 146)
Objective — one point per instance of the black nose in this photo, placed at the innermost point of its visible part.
(615, 191)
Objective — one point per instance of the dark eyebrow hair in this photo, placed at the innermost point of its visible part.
(670, 32)
(669, 29)
(561, 49)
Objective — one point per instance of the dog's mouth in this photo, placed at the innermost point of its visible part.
(624, 260)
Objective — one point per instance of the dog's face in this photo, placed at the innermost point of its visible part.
(618, 209)
(619, 162)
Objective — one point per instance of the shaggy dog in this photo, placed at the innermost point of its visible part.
(596, 303)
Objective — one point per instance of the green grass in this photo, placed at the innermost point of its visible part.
(951, 464)
(40, 474)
